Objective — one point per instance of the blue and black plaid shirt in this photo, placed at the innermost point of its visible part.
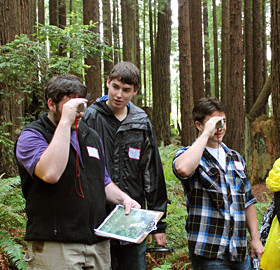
(216, 202)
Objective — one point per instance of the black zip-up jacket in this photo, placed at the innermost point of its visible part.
(131, 154)
(56, 212)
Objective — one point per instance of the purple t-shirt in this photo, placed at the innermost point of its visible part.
(31, 145)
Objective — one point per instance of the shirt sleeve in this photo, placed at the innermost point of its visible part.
(30, 146)
(179, 152)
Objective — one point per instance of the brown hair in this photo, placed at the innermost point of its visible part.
(126, 72)
(206, 106)
(64, 85)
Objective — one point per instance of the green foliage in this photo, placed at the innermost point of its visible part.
(262, 207)
(176, 212)
(26, 64)
(12, 221)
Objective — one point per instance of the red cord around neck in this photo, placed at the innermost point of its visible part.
(78, 183)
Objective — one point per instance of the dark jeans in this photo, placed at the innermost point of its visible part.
(128, 257)
(201, 263)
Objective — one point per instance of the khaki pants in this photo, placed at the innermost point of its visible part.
(62, 256)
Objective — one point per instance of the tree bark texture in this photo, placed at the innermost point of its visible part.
(216, 55)
(235, 106)
(275, 67)
(107, 36)
(41, 12)
(258, 108)
(196, 49)
(161, 94)
(206, 50)
(185, 67)
(225, 51)
(116, 31)
(53, 12)
(257, 49)
(248, 45)
(17, 17)
(129, 30)
(93, 74)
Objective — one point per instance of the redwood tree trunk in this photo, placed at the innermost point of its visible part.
(216, 62)
(116, 32)
(186, 93)
(225, 51)
(161, 94)
(206, 50)
(275, 68)
(257, 49)
(235, 106)
(196, 49)
(107, 36)
(16, 17)
(41, 12)
(248, 45)
(129, 30)
(93, 74)
(53, 11)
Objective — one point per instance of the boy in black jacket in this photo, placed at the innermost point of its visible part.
(131, 154)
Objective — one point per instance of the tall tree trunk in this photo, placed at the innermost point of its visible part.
(235, 113)
(257, 49)
(107, 36)
(53, 12)
(62, 14)
(225, 51)
(185, 66)
(152, 47)
(262, 99)
(62, 24)
(196, 49)
(264, 40)
(216, 55)
(161, 94)
(16, 17)
(206, 49)
(129, 30)
(144, 59)
(138, 99)
(275, 67)
(248, 45)
(116, 32)
(41, 12)
(8, 27)
(93, 74)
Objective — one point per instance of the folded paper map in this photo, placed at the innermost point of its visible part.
(133, 228)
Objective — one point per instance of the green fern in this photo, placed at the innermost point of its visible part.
(12, 219)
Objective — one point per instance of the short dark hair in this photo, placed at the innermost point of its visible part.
(126, 72)
(64, 85)
(206, 106)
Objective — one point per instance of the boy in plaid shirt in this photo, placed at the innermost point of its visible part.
(218, 196)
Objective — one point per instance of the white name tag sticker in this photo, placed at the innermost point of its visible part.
(93, 152)
(134, 153)
(239, 166)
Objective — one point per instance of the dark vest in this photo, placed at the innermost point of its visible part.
(56, 212)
